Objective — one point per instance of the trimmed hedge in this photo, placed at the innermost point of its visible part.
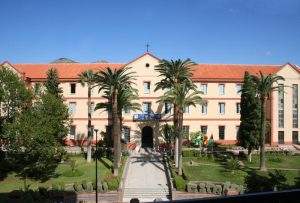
(213, 187)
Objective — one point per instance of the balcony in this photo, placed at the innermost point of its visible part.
(147, 117)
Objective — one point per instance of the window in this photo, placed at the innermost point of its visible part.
(186, 109)
(147, 107)
(167, 108)
(295, 106)
(221, 132)
(146, 87)
(295, 137)
(203, 129)
(280, 137)
(72, 108)
(280, 106)
(222, 108)
(221, 89)
(186, 130)
(238, 108)
(237, 129)
(203, 88)
(238, 88)
(204, 109)
(72, 131)
(73, 88)
(147, 65)
(126, 134)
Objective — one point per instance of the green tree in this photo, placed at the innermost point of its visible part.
(14, 98)
(52, 82)
(248, 136)
(36, 138)
(111, 81)
(88, 78)
(183, 95)
(264, 86)
(174, 73)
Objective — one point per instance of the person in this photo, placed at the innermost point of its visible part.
(210, 143)
(134, 200)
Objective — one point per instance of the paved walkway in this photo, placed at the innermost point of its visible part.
(146, 178)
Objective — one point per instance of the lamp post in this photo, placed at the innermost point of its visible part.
(96, 131)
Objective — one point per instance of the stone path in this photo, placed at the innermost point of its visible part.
(146, 178)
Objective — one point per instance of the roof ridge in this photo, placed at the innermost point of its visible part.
(238, 64)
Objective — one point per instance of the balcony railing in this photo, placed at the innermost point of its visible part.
(147, 117)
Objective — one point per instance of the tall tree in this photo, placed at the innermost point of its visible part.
(174, 73)
(111, 81)
(126, 101)
(14, 97)
(183, 95)
(87, 78)
(248, 135)
(264, 86)
(52, 82)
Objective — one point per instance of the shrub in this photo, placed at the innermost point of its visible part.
(89, 187)
(275, 158)
(16, 194)
(62, 186)
(70, 173)
(217, 189)
(77, 187)
(105, 186)
(84, 184)
(232, 164)
(258, 182)
(202, 187)
(113, 184)
(192, 187)
(43, 191)
(209, 187)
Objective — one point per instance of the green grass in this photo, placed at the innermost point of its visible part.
(13, 182)
(207, 169)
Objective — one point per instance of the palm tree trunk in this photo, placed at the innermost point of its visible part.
(263, 135)
(115, 130)
(176, 130)
(119, 140)
(90, 133)
(180, 123)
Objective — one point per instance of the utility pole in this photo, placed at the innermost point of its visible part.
(96, 131)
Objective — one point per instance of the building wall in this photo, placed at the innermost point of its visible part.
(291, 77)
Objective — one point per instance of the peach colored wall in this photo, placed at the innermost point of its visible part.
(291, 77)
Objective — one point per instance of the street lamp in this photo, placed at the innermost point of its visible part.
(96, 131)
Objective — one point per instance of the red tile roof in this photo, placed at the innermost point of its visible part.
(230, 72)
(65, 70)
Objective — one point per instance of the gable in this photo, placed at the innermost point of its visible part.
(288, 71)
(144, 65)
(6, 64)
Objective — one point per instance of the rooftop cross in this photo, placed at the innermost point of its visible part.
(147, 46)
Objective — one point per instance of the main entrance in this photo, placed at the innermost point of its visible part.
(147, 137)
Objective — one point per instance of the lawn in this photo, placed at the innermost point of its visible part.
(13, 182)
(208, 169)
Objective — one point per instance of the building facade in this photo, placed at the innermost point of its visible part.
(220, 117)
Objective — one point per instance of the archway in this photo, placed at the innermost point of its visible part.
(147, 137)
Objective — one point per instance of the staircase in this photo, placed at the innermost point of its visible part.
(147, 194)
(146, 178)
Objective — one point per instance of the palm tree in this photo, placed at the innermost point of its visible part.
(182, 95)
(111, 81)
(125, 98)
(173, 74)
(87, 77)
(264, 86)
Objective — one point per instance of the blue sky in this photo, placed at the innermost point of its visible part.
(207, 31)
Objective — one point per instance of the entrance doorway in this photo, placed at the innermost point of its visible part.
(147, 137)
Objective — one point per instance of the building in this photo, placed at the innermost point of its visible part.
(220, 84)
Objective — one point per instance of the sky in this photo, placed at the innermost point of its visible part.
(207, 31)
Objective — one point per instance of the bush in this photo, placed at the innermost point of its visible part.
(16, 194)
(84, 184)
(192, 187)
(274, 158)
(209, 187)
(232, 164)
(89, 187)
(62, 186)
(202, 187)
(113, 184)
(258, 182)
(77, 187)
(105, 186)
(100, 188)
(55, 186)
(71, 173)
(217, 189)
(43, 191)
